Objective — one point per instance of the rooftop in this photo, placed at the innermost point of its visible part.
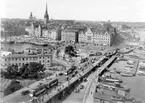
(26, 55)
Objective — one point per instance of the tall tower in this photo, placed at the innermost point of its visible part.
(31, 16)
(46, 16)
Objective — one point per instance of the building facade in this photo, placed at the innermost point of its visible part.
(103, 36)
(23, 58)
(69, 34)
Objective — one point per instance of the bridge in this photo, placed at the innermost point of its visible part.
(61, 88)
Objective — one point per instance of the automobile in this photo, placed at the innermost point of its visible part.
(91, 55)
(98, 53)
(60, 74)
(73, 75)
(25, 92)
(81, 86)
(77, 90)
(85, 80)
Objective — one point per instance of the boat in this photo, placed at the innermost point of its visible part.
(130, 99)
(141, 73)
(116, 98)
(115, 87)
(102, 97)
(110, 79)
(126, 74)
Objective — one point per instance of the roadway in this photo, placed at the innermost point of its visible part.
(88, 96)
(17, 97)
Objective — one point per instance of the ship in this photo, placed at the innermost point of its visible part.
(126, 74)
(114, 86)
(40, 44)
(110, 79)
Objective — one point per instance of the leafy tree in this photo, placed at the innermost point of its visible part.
(11, 71)
(70, 50)
(57, 53)
(30, 70)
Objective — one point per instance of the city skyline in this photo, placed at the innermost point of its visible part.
(93, 10)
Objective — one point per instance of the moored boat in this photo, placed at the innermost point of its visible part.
(115, 87)
(109, 79)
(126, 74)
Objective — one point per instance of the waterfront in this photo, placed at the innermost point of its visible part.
(18, 47)
(136, 83)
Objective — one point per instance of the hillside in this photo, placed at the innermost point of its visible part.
(123, 37)
(14, 31)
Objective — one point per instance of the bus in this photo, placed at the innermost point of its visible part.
(43, 88)
(71, 70)
(53, 83)
(38, 91)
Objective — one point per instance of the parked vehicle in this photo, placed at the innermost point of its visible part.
(77, 90)
(25, 92)
(81, 86)
(60, 74)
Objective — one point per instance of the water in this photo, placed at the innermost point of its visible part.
(18, 47)
(136, 84)
(142, 34)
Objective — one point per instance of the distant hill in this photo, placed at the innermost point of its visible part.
(14, 31)
(123, 37)
(125, 27)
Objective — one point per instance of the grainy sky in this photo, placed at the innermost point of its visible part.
(114, 10)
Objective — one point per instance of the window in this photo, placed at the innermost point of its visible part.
(43, 61)
(47, 60)
(20, 59)
(39, 57)
(5, 59)
(43, 57)
(39, 61)
(23, 59)
(30, 58)
(12, 58)
(19, 63)
(9, 59)
(26, 58)
(15, 58)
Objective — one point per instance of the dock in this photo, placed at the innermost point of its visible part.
(135, 67)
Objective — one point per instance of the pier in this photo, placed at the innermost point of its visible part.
(135, 67)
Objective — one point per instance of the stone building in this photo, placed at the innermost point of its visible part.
(104, 35)
(22, 58)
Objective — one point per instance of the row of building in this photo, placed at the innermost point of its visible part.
(104, 35)
(63, 31)
(21, 58)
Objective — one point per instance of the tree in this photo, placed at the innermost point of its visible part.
(70, 50)
(57, 53)
(11, 71)
(31, 70)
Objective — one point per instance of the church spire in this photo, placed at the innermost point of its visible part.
(46, 16)
(46, 8)
(31, 16)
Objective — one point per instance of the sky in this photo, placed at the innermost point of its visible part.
(92, 10)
